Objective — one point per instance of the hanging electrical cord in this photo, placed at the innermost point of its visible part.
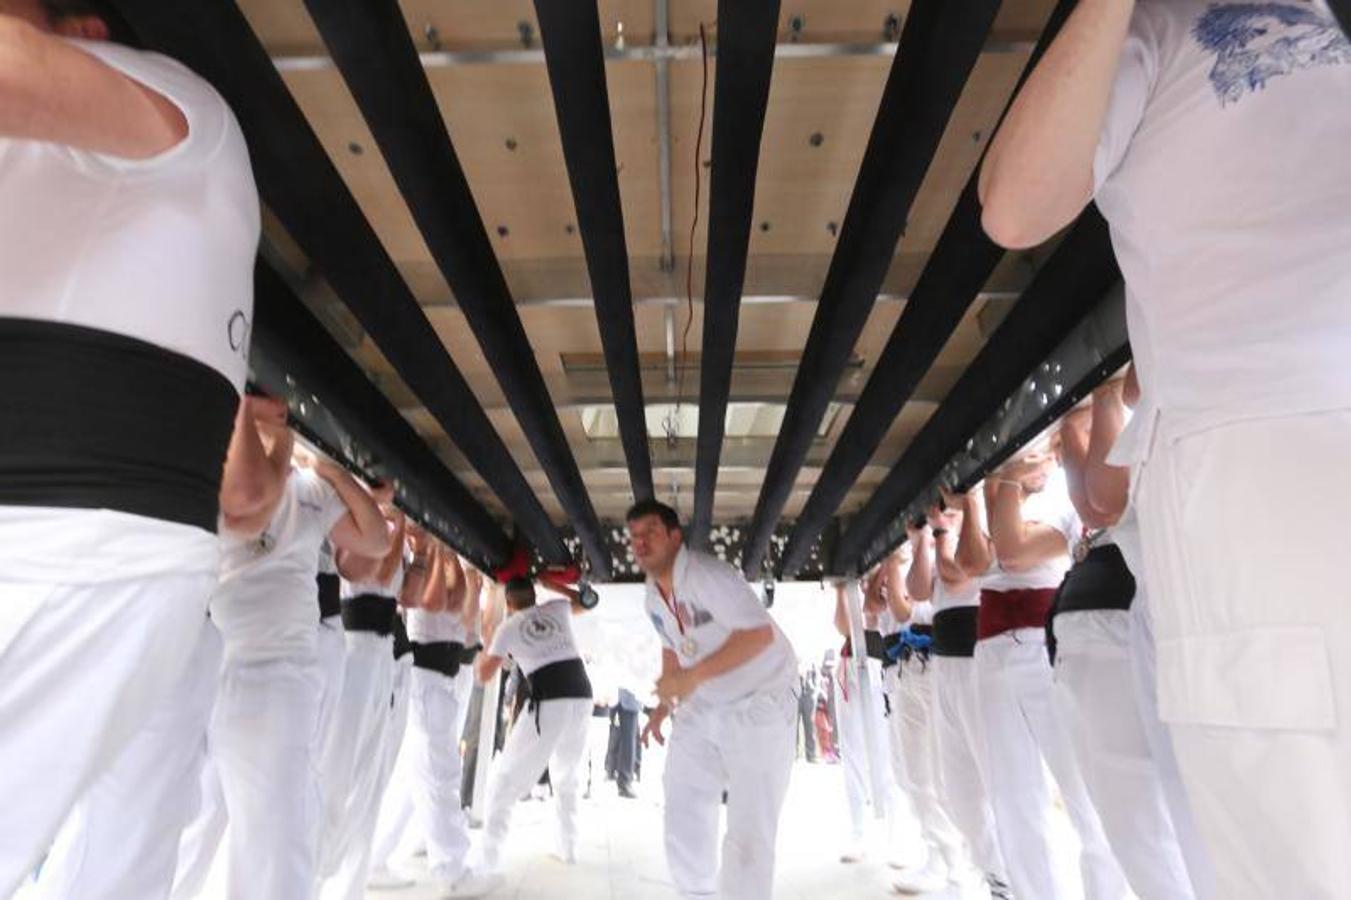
(672, 422)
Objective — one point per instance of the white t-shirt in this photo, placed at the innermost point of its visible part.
(1050, 506)
(427, 627)
(946, 598)
(537, 637)
(391, 588)
(713, 600)
(1224, 173)
(160, 250)
(923, 613)
(264, 606)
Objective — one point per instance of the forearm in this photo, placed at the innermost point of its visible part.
(920, 577)
(1006, 523)
(1107, 486)
(249, 481)
(371, 536)
(1038, 173)
(740, 648)
(973, 549)
(841, 614)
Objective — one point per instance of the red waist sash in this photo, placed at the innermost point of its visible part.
(1002, 611)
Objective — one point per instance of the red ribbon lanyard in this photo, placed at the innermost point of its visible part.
(674, 608)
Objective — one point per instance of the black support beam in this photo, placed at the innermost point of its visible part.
(301, 185)
(939, 46)
(375, 53)
(747, 33)
(1067, 287)
(961, 264)
(575, 58)
(290, 345)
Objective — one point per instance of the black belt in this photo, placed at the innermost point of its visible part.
(402, 645)
(564, 680)
(330, 602)
(96, 420)
(954, 631)
(1101, 580)
(876, 647)
(446, 657)
(370, 612)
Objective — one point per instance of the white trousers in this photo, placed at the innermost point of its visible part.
(264, 740)
(556, 739)
(746, 749)
(351, 747)
(1095, 695)
(959, 737)
(1144, 668)
(394, 836)
(202, 837)
(913, 729)
(349, 881)
(1022, 730)
(83, 668)
(436, 719)
(121, 840)
(855, 735)
(332, 650)
(1253, 627)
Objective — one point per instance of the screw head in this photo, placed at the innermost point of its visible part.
(502, 231)
(355, 149)
(817, 139)
(511, 144)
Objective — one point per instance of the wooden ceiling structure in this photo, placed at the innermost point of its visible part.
(562, 269)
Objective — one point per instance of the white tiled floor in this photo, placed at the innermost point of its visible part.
(620, 856)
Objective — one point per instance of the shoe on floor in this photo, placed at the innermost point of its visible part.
(627, 792)
(926, 879)
(998, 889)
(853, 854)
(383, 878)
(472, 884)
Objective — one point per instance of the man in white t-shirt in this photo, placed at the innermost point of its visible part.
(264, 736)
(729, 679)
(962, 773)
(127, 245)
(1213, 137)
(1021, 563)
(549, 732)
(443, 641)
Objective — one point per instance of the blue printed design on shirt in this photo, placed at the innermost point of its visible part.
(661, 630)
(1255, 42)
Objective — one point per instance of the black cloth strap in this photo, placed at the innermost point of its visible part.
(874, 645)
(370, 612)
(563, 680)
(954, 631)
(402, 645)
(95, 420)
(445, 657)
(1101, 580)
(330, 601)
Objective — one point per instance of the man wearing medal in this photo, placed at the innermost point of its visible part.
(729, 682)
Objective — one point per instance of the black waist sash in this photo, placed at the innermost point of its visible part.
(445, 657)
(954, 631)
(876, 647)
(563, 680)
(402, 645)
(95, 420)
(1101, 580)
(370, 612)
(330, 602)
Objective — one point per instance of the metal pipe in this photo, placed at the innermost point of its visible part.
(663, 89)
(656, 53)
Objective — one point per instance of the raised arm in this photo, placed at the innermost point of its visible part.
(53, 91)
(457, 586)
(974, 553)
(255, 474)
(363, 530)
(1038, 173)
(919, 579)
(473, 598)
(898, 599)
(417, 574)
(1020, 545)
(1108, 486)
(841, 613)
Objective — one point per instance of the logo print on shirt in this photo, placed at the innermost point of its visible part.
(1255, 42)
(237, 330)
(539, 630)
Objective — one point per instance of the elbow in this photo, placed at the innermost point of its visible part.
(1008, 227)
(242, 497)
(372, 544)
